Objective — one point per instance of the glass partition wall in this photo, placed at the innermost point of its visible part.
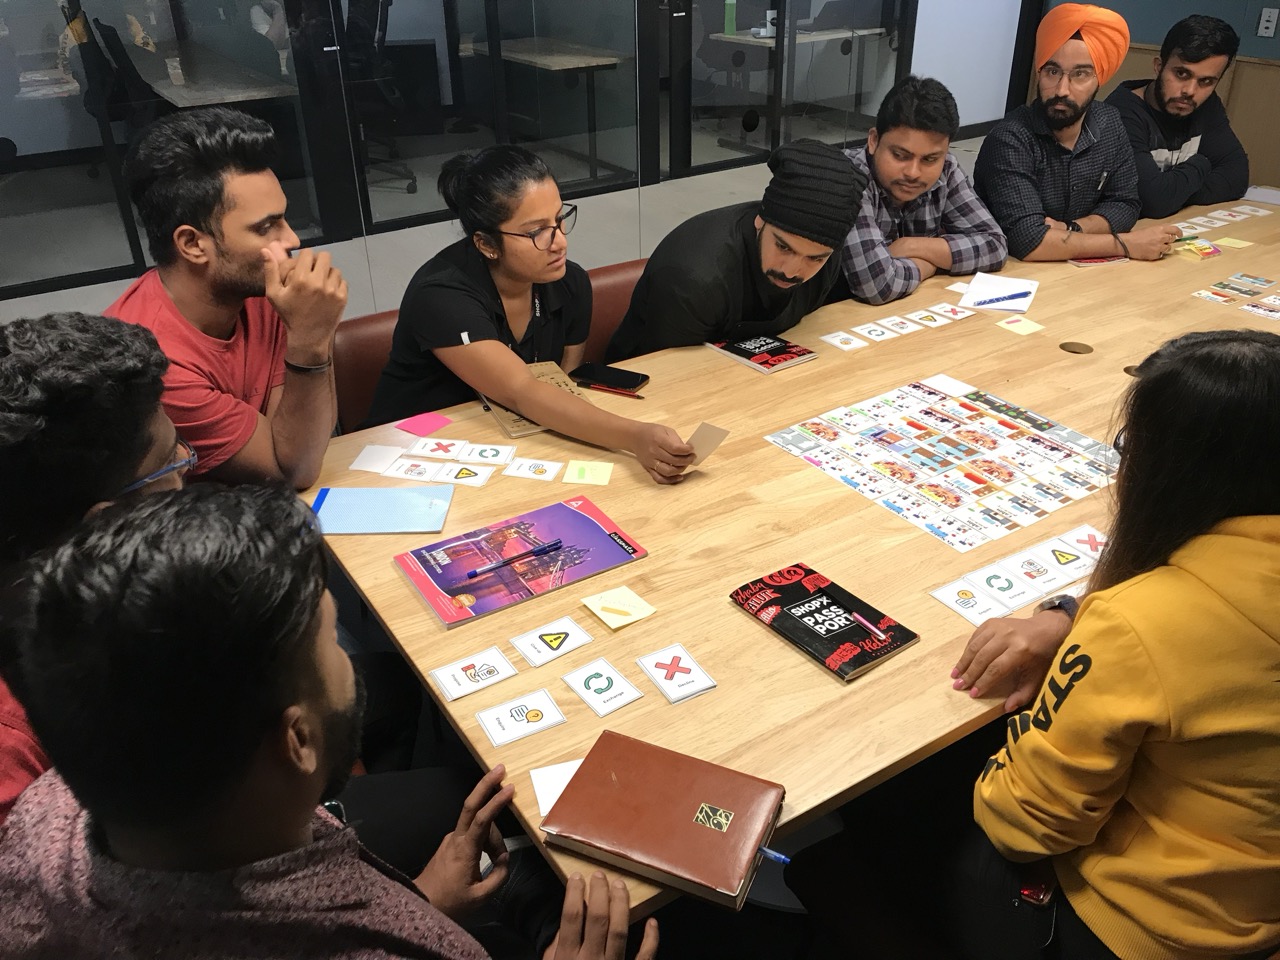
(370, 97)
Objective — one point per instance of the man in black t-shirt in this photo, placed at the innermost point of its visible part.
(1182, 141)
(753, 269)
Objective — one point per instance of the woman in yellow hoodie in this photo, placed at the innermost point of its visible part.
(1145, 776)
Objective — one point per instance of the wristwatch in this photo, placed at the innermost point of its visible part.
(1062, 601)
(1074, 227)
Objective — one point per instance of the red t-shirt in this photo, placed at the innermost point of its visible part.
(214, 389)
(21, 759)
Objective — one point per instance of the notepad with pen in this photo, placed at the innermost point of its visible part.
(420, 509)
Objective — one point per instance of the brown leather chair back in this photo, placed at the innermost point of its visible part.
(360, 350)
(611, 289)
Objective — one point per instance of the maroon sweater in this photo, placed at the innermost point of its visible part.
(62, 896)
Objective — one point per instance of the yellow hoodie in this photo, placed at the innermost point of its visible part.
(1149, 767)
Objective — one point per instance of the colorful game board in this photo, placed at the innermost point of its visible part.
(955, 461)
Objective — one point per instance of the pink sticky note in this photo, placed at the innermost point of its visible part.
(424, 424)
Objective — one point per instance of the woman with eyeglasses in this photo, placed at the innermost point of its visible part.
(504, 296)
(1147, 768)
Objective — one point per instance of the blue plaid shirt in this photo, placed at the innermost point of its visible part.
(949, 210)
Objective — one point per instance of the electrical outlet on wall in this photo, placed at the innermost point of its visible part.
(1267, 22)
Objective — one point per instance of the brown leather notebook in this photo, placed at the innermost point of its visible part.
(667, 816)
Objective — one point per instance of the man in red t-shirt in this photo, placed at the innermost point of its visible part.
(247, 329)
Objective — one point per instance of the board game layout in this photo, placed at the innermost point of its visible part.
(953, 460)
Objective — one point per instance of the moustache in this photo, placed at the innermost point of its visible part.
(1061, 102)
(779, 275)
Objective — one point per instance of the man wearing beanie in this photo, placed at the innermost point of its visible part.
(1059, 174)
(752, 269)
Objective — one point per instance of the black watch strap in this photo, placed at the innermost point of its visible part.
(1062, 601)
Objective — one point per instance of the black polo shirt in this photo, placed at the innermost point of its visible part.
(704, 282)
(452, 300)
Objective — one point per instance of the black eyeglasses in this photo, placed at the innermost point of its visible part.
(545, 236)
(1118, 443)
(186, 461)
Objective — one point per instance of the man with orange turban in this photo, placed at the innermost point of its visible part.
(1059, 174)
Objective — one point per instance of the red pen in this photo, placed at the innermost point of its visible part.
(621, 393)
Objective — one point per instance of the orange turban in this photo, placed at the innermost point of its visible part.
(1104, 31)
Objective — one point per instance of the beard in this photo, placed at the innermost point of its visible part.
(1060, 121)
(235, 280)
(342, 732)
(1163, 101)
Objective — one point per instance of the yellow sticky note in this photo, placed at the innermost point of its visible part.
(1232, 242)
(587, 471)
(618, 607)
(1020, 325)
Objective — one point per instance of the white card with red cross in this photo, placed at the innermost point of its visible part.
(676, 673)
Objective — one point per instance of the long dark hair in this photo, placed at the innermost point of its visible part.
(1200, 444)
(482, 189)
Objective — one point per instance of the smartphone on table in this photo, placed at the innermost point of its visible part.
(610, 378)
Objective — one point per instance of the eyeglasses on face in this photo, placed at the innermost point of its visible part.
(543, 237)
(185, 459)
(1079, 76)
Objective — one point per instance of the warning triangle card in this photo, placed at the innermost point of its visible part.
(543, 644)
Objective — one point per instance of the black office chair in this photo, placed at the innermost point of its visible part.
(375, 97)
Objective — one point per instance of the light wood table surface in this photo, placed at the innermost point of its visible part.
(751, 508)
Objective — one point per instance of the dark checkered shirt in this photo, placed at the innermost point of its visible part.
(1024, 175)
(949, 210)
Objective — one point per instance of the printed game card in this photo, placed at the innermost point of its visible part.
(1058, 556)
(676, 673)
(594, 472)
(845, 341)
(873, 331)
(1253, 281)
(974, 606)
(486, 453)
(795, 442)
(437, 448)
(900, 324)
(1086, 540)
(467, 474)
(375, 458)
(543, 644)
(950, 311)
(1261, 310)
(1229, 214)
(1215, 296)
(705, 439)
(407, 469)
(486, 668)
(1253, 211)
(998, 582)
(928, 319)
(520, 717)
(532, 469)
(1186, 227)
(1028, 568)
(1232, 286)
(601, 687)
(1208, 222)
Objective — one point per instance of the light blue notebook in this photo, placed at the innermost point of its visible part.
(383, 509)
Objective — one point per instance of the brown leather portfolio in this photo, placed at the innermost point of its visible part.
(667, 816)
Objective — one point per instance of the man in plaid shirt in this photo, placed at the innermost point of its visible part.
(919, 215)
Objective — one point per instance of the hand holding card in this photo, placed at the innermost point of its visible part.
(704, 441)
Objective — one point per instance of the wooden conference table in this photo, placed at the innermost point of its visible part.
(751, 508)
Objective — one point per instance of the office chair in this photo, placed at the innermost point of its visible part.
(376, 99)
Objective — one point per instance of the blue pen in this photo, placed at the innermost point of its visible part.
(775, 856)
(1007, 296)
(541, 551)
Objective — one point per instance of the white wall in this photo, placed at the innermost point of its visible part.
(969, 47)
